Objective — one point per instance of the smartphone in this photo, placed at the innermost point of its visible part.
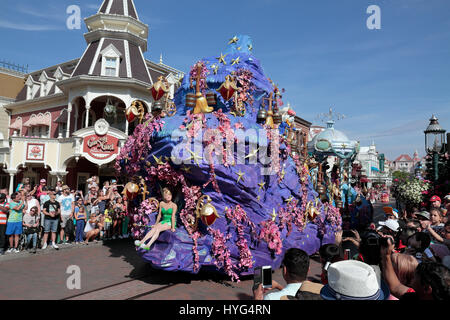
(348, 234)
(267, 277)
(428, 253)
(257, 277)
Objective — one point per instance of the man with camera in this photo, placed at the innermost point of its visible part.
(295, 270)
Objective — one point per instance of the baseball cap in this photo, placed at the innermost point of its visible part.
(424, 214)
(391, 224)
(435, 198)
(43, 181)
(447, 197)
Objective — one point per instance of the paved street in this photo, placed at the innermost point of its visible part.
(114, 271)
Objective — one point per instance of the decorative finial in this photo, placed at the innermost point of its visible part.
(161, 59)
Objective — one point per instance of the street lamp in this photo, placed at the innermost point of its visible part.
(434, 142)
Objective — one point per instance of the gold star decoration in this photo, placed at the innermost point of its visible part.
(194, 156)
(289, 200)
(274, 215)
(258, 198)
(241, 175)
(252, 154)
(215, 68)
(233, 40)
(239, 48)
(186, 169)
(283, 173)
(344, 146)
(261, 185)
(222, 58)
(250, 47)
(158, 161)
(236, 61)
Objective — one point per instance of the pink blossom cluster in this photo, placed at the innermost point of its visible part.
(222, 255)
(333, 217)
(240, 220)
(140, 218)
(270, 233)
(204, 72)
(138, 144)
(246, 87)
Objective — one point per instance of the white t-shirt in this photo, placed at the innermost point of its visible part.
(89, 227)
(289, 290)
(66, 204)
(32, 203)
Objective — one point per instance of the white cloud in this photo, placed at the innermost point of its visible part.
(29, 27)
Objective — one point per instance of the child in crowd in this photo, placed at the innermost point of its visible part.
(108, 221)
(80, 216)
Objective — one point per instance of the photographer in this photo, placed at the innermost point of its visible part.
(295, 270)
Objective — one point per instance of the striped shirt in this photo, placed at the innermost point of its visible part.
(4, 209)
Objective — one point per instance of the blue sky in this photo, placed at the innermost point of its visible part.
(387, 82)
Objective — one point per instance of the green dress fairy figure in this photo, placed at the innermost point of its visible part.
(165, 221)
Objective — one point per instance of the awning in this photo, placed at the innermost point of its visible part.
(375, 169)
(39, 120)
(62, 117)
(17, 124)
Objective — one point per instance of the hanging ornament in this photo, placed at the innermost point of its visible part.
(206, 212)
(262, 115)
(228, 88)
(160, 88)
(201, 104)
(158, 107)
(269, 117)
(277, 119)
(136, 110)
(131, 190)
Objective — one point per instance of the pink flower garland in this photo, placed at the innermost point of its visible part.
(240, 220)
(203, 74)
(222, 255)
(270, 233)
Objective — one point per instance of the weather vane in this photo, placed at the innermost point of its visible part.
(330, 116)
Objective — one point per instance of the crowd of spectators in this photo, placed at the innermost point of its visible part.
(36, 217)
(405, 256)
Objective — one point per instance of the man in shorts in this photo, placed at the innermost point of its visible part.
(67, 202)
(52, 212)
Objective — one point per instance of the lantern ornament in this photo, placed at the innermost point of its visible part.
(135, 111)
(228, 88)
(160, 88)
(131, 190)
(206, 211)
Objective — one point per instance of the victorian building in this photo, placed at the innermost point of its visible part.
(374, 169)
(407, 164)
(68, 120)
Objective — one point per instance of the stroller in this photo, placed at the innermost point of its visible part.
(23, 240)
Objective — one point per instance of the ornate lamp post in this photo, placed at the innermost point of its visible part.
(434, 143)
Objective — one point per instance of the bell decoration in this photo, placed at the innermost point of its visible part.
(269, 117)
(206, 212)
(321, 189)
(262, 115)
(211, 98)
(158, 106)
(201, 104)
(159, 89)
(190, 100)
(277, 118)
(228, 88)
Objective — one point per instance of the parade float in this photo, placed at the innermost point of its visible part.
(333, 154)
(225, 147)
